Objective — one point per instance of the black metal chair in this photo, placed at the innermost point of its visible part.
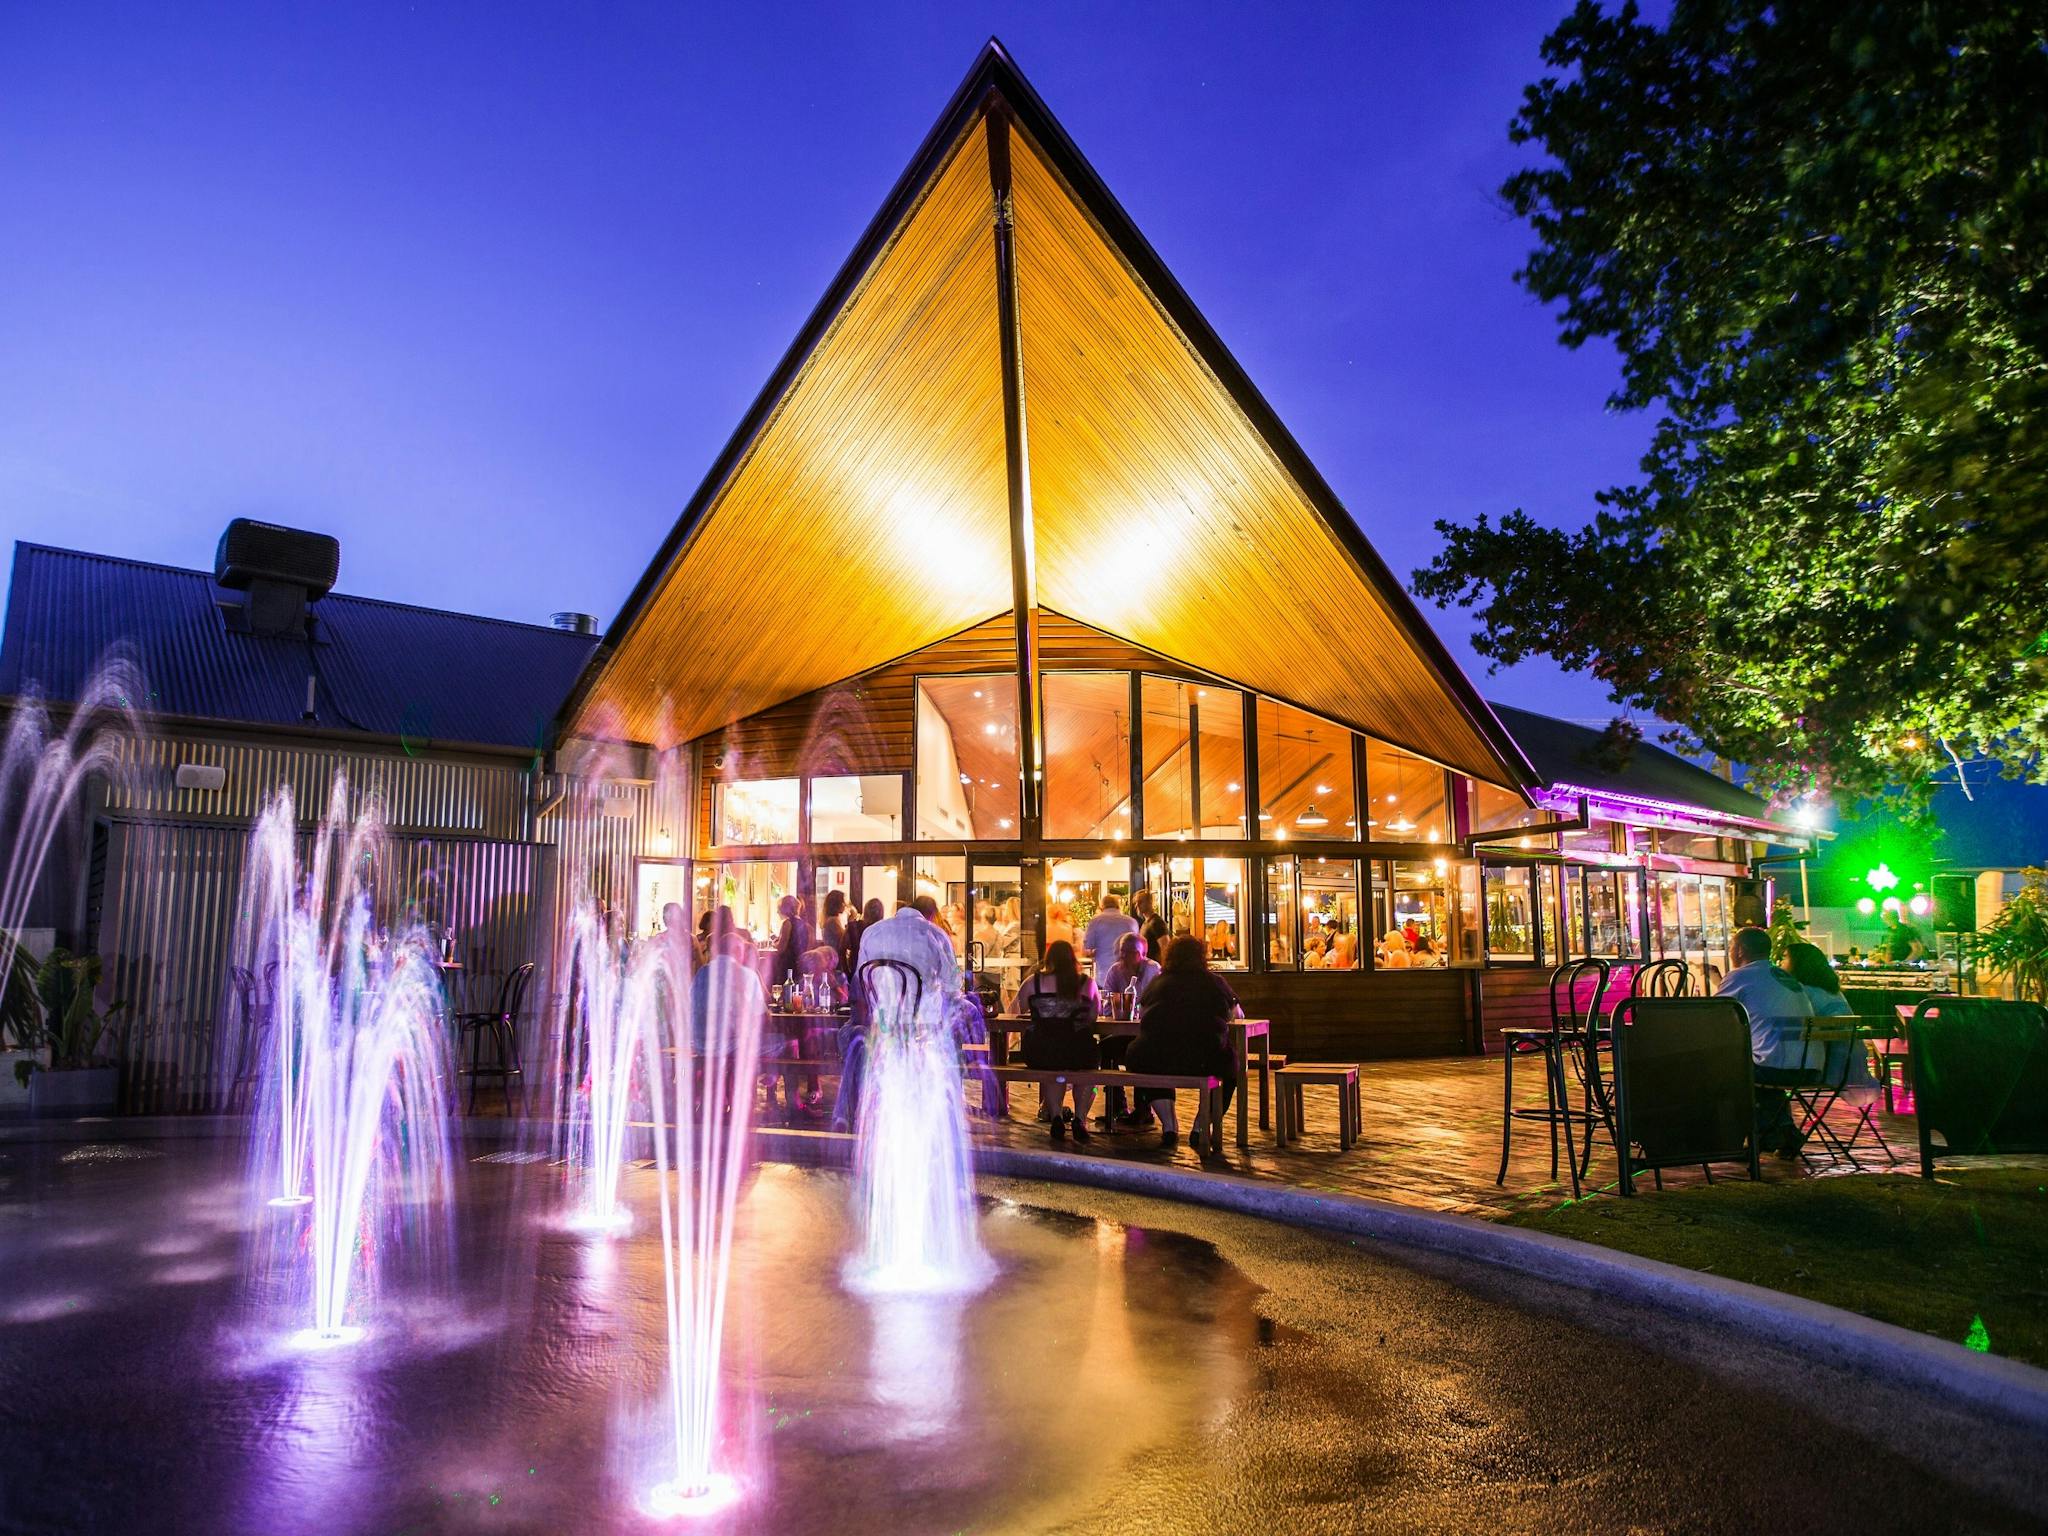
(1844, 1039)
(1661, 978)
(1684, 1086)
(501, 1024)
(1980, 1077)
(255, 1007)
(1568, 1037)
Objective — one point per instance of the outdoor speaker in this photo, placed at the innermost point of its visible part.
(201, 776)
(1955, 903)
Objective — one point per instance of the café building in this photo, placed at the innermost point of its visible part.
(1012, 590)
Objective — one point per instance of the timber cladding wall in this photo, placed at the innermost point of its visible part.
(1362, 1016)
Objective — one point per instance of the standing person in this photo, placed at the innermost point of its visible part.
(1901, 940)
(729, 1009)
(1151, 926)
(1184, 1031)
(849, 954)
(1104, 933)
(914, 937)
(1132, 974)
(833, 929)
(1062, 1004)
(791, 940)
(1776, 1005)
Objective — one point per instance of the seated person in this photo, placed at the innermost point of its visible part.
(1777, 1005)
(1184, 1031)
(1061, 1036)
(1344, 951)
(1848, 1061)
(1393, 951)
(1132, 973)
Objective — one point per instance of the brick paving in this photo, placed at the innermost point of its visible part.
(1431, 1139)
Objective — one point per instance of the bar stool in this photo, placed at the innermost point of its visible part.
(1291, 1079)
(1571, 1029)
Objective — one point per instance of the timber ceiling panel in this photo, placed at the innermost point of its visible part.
(1162, 517)
(870, 517)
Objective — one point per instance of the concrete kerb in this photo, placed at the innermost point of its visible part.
(1845, 1340)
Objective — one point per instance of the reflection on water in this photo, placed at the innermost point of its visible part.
(880, 1414)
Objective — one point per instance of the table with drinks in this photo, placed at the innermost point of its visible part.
(1119, 1018)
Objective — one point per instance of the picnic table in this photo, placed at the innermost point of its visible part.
(1242, 1033)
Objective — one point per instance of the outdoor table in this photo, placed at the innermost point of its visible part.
(1242, 1033)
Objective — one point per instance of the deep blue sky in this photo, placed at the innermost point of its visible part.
(482, 289)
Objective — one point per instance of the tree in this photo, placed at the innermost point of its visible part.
(1817, 234)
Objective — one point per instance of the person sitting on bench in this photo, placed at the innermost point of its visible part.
(1061, 1002)
(1184, 1031)
(1133, 972)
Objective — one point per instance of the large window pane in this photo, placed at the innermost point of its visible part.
(1330, 938)
(1186, 722)
(1558, 945)
(1510, 920)
(1494, 809)
(967, 764)
(1406, 797)
(1419, 933)
(753, 890)
(857, 808)
(1282, 915)
(1305, 783)
(1468, 907)
(754, 813)
(1087, 754)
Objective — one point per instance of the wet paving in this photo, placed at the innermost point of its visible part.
(1136, 1367)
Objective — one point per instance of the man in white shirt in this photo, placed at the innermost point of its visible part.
(911, 936)
(1778, 1008)
(1133, 967)
(1105, 931)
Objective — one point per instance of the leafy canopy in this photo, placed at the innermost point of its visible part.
(1817, 235)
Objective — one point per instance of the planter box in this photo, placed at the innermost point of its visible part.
(14, 1097)
(81, 1091)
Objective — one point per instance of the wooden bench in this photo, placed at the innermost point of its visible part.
(1211, 1088)
(1297, 1075)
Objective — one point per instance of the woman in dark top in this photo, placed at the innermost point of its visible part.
(1183, 1031)
(833, 929)
(1061, 1002)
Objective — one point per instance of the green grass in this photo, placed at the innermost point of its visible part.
(1964, 1258)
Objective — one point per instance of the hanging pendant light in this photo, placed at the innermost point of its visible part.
(1311, 818)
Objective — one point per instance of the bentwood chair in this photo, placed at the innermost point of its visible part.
(1568, 1037)
(501, 1024)
(1661, 978)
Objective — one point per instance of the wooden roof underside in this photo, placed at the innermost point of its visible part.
(861, 513)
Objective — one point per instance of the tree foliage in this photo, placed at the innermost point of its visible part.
(1817, 235)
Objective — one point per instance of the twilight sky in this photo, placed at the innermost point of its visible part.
(482, 289)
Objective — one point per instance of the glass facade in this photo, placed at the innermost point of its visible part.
(1147, 771)
(967, 764)
(857, 808)
(1087, 754)
(1406, 797)
(755, 813)
(1306, 785)
(1193, 737)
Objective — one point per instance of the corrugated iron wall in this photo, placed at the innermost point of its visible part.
(467, 848)
(419, 793)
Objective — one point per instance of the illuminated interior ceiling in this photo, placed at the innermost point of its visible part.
(863, 512)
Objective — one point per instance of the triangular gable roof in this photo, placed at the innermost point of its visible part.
(860, 512)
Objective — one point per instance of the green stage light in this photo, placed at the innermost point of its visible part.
(1881, 878)
(1866, 906)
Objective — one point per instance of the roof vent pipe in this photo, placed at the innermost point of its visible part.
(574, 623)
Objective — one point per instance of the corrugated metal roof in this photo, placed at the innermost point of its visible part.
(384, 668)
(1563, 753)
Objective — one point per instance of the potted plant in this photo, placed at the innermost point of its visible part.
(2014, 944)
(70, 1026)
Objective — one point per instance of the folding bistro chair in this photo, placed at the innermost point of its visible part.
(1684, 1093)
(1980, 1077)
(1846, 1041)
